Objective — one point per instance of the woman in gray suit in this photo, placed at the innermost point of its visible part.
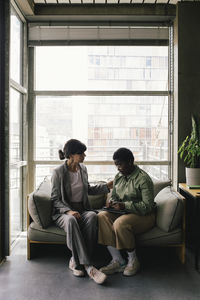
(71, 209)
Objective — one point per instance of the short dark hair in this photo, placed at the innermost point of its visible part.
(123, 154)
(72, 146)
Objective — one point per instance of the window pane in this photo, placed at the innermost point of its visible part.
(42, 171)
(103, 172)
(53, 125)
(15, 157)
(104, 124)
(107, 172)
(14, 126)
(16, 48)
(95, 172)
(15, 200)
(102, 68)
(156, 172)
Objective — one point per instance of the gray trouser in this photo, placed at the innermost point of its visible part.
(81, 235)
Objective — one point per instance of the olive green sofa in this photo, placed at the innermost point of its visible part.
(169, 230)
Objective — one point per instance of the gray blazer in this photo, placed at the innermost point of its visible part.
(61, 189)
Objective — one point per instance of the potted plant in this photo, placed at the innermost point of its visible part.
(189, 151)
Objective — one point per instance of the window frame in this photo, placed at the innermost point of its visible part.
(21, 88)
(32, 163)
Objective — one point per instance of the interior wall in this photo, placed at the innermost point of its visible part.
(187, 74)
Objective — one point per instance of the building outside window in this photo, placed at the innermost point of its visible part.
(106, 96)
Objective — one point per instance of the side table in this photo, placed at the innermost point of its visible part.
(192, 197)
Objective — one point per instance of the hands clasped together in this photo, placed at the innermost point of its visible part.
(116, 205)
(74, 213)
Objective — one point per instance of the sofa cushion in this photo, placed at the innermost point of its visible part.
(158, 185)
(97, 201)
(169, 209)
(52, 234)
(40, 206)
(157, 237)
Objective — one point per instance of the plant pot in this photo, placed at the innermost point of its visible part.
(192, 176)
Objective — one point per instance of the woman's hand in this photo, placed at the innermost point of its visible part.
(74, 214)
(110, 184)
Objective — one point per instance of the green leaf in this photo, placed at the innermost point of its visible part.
(189, 150)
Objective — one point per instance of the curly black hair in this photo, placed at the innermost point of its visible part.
(123, 154)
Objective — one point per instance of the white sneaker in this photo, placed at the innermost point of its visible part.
(132, 268)
(97, 275)
(113, 267)
(76, 272)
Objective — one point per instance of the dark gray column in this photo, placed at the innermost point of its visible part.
(4, 128)
(187, 74)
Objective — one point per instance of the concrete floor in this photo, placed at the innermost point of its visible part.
(47, 276)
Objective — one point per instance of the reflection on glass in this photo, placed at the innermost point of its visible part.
(14, 126)
(15, 200)
(102, 68)
(104, 124)
(16, 48)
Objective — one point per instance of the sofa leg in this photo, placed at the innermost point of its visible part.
(28, 250)
(181, 253)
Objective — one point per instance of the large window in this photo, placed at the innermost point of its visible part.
(15, 125)
(108, 97)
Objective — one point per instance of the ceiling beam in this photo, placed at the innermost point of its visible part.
(26, 7)
(101, 9)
